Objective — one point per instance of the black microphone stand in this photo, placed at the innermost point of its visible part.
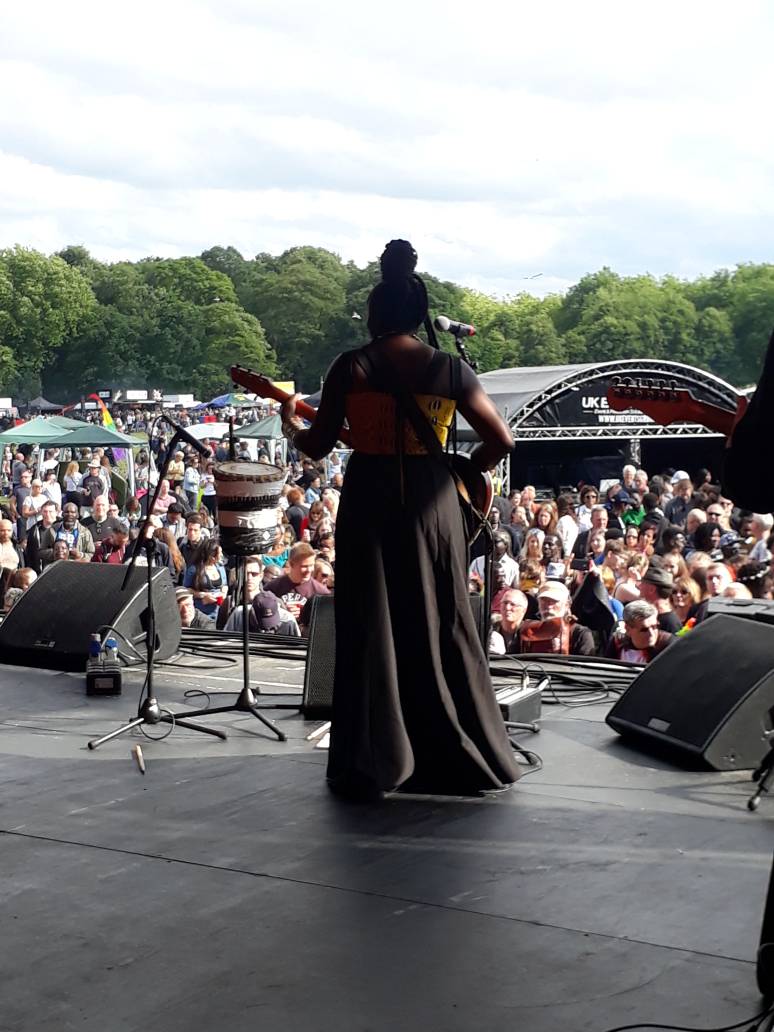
(149, 711)
(486, 607)
(246, 701)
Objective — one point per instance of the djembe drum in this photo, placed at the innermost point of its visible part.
(248, 494)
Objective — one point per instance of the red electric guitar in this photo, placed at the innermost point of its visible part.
(665, 403)
(474, 486)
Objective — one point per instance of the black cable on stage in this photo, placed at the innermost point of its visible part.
(752, 1024)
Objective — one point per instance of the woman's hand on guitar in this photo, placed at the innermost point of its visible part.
(288, 409)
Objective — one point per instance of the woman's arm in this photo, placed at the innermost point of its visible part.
(320, 438)
(479, 410)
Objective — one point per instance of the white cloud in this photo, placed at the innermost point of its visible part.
(503, 139)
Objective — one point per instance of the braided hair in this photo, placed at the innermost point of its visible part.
(399, 303)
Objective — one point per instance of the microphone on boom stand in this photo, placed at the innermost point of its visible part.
(459, 330)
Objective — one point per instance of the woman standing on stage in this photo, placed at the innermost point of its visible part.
(413, 705)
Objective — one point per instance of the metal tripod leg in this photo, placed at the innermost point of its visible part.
(763, 775)
(246, 703)
(151, 713)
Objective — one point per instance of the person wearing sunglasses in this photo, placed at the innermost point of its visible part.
(685, 597)
(589, 497)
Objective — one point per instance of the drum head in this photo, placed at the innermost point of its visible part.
(255, 472)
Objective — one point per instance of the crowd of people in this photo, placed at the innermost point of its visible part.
(69, 512)
(619, 573)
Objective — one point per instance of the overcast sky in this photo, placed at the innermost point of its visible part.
(517, 145)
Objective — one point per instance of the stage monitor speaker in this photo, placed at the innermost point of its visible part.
(761, 609)
(708, 698)
(317, 701)
(52, 623)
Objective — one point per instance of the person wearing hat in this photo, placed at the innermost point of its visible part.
(554, 603)
(190, 616)
(656, 587)
(92, 485)
(677, 509)
(619, 503)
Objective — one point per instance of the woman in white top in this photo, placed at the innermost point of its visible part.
(209, 494)
(589, 497)
(72, 482)
(52, 490)
(566, 525)
(191, 479)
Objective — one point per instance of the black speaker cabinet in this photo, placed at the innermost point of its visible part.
(52, 623)
(708, 698)
(317, 701)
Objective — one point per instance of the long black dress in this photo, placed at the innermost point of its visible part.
(413, 704)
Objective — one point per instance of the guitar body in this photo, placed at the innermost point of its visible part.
(479, 486)
(476, 487)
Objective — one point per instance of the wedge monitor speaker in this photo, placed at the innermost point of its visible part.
(52, 623)
(708, 698)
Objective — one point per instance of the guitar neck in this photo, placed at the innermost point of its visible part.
(264, 388)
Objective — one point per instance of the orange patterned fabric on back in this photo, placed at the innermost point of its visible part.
(371, 418)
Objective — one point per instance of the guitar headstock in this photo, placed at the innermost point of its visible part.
(626, 391)
(664, 402)
(251, 381)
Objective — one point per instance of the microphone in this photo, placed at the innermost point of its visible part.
(459, 329)
(188, 438)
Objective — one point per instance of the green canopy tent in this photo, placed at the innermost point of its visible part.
(40, 430)
(268, 429)
(62, 432)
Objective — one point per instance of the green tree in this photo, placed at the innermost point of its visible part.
(300, 300)
(187, 279)
(43, 302)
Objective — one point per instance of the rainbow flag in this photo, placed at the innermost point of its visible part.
(107, 419)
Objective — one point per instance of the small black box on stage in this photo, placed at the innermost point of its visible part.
(103, 678)
(521, 704)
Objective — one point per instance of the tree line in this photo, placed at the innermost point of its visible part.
(70, 324)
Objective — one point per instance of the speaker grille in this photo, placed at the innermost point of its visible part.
(317, 701)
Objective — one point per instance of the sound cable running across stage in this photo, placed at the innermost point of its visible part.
(413, 705)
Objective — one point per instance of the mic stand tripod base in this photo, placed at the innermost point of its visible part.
(246, 702)
(151, 713)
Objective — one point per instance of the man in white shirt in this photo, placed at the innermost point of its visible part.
(760, 528)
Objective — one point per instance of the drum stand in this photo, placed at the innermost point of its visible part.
(246, 702)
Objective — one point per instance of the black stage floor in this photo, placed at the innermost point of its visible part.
(226, 889)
